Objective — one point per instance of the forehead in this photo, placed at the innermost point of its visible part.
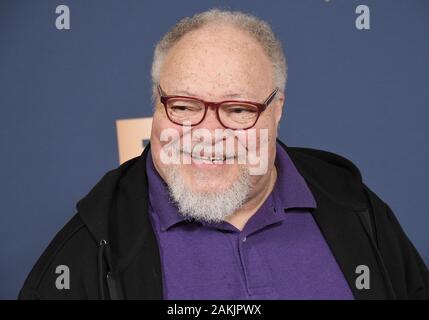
(217, 57)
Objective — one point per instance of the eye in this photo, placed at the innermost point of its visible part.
(180, 108)
(240, 110)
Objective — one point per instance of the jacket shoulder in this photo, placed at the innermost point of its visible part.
(328, 160)
(69, 258)
(331, 174)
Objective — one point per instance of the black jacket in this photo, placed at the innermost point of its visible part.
(111, 251)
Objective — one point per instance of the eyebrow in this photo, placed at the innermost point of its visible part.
(243, 95)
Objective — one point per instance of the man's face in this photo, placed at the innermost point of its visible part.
(217, 63)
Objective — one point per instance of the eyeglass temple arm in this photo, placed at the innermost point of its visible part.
(271, 97)
(160, 91)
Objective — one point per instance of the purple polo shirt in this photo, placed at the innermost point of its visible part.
(279, 254)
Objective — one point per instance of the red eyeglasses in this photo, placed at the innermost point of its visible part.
(232, 114)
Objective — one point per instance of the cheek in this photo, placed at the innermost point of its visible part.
(266, 134)
(157, 125)
(161, 126)
(158, 120)
(268, 124)
(159, 115)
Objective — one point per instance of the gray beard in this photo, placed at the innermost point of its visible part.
(212, 207)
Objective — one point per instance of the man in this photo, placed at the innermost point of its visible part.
(217, 207)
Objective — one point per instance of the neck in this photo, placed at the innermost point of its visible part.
(240, 217)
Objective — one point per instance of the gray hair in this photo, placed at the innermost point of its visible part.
(259, 29)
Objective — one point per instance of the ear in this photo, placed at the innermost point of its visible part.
(278, 106)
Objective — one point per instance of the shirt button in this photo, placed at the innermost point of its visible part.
(244, 239)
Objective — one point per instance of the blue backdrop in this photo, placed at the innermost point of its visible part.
(360, 93)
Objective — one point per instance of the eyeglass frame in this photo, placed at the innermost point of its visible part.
(260, 106)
